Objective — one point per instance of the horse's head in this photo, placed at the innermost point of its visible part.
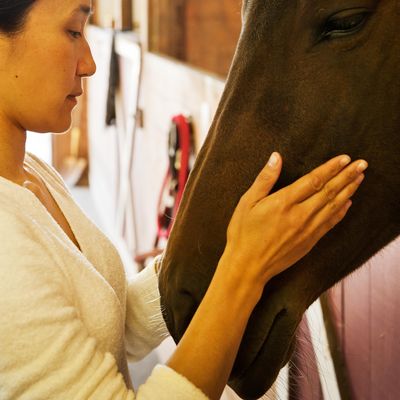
(311, 79)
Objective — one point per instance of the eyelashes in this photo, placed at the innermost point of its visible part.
(344, 23)
(75, 34)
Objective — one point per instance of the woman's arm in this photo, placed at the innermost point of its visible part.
(278, 230)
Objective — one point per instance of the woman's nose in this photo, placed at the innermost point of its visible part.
(87, 65)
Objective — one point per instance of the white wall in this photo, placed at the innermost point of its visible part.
(40, 145)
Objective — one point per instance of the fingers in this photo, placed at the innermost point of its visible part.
(335, 209)
(265, 180)
(313, 182)
(328, 215)
(320, 230)
(338, 190)
(330, 223)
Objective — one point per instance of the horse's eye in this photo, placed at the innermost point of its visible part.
(344, 23)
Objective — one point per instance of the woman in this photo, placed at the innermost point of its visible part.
(68, 318)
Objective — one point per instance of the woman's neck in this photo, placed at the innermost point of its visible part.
(12, 151)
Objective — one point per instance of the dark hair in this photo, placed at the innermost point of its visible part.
(13, 14)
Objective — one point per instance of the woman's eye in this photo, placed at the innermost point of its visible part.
(343, 25)
(75, 34)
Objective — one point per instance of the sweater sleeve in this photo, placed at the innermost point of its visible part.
(166, 384)
(145, 327)
(46, 351)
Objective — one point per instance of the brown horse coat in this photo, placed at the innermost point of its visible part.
(311, 79)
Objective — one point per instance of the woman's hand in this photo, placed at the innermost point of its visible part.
(268, 234)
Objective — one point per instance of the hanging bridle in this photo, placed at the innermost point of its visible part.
(181, 156)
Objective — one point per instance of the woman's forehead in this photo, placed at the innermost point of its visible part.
(65, 8)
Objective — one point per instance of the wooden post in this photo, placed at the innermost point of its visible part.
(125, 15)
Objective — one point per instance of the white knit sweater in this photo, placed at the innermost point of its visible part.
(69, 319)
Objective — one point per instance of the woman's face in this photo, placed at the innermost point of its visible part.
(42, 66)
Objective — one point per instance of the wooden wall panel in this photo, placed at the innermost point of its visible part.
(357, 331)
(335, 296)
(167, 28)
(332, 303)
(202, 33)
(212, 31)
(371, 334)
(385, 323)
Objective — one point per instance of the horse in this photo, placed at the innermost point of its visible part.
(310, 79)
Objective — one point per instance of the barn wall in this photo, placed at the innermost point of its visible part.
(168, 88)
(201, 33)
(367, 305)
(212, 31)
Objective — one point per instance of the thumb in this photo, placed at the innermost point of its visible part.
(266, 179)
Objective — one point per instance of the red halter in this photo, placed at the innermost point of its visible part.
(181, 157)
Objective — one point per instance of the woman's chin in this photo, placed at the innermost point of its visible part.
(62, 126)
(58, 126)
(61, 132)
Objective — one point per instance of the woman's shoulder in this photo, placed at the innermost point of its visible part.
(16, 217)
(15, 225)
(11, 220)
(24, 242)
(19, 223)
(21, 242)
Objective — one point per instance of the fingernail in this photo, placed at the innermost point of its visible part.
(345, 161)
(348, 204)
(362, 166)
(273, 160)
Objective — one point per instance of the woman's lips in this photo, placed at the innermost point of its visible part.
(72, 99)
